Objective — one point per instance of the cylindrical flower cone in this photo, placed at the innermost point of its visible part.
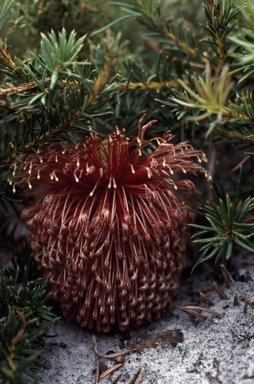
(108, 224)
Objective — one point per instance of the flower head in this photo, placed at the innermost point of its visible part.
(108, 224)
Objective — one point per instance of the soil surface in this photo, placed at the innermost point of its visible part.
(180, 348)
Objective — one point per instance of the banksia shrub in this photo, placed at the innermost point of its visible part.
(108, 224)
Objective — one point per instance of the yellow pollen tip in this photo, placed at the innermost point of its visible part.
(149, 174)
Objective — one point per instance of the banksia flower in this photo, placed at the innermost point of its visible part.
(108, 224)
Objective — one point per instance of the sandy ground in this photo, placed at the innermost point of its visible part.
(190, 350)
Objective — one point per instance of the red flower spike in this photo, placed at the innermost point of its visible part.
(108, 224)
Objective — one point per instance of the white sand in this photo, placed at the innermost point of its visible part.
(215, 350)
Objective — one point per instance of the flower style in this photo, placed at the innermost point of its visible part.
(108, 224)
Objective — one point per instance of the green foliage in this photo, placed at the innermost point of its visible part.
(221, 18)
(69, 67)
(204, 94)
(30, 17)
(179, 73)
(5, 8)
(50, 92)
(59, 55)
(24, 319)
(171, 33)
(247, 13)
(184, 75)
(227, 225)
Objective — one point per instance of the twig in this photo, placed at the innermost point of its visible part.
(116, 379)
(130, 381)
(116, 354)
(249, 262)
(226, 279)
(140, 376)
(191, 309)
(192, 313)
(205, 299)
(137, 378)
(240, 164)
(247, 302)
(222, 296)
(96, 354)
(102, 80)
(19, 335)
(110, 370)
